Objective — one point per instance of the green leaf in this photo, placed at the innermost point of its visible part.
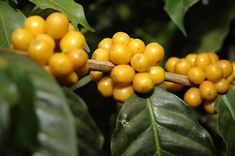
(225, 107)
(25, 123)
(84, 81)
(56, 134)
(90, 138)
(10, 19)
(73, 10)
(9, 95)
(177, 9)
(208, 35)
(160, 124)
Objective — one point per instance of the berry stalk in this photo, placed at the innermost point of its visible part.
(106, 66)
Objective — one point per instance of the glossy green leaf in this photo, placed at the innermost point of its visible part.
(160, 124)
(177, 9)
(56, 134)
(90, 138)
(10, 19)
(225, 107)
(73, 10)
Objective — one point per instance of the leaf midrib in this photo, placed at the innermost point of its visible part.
(154, 126)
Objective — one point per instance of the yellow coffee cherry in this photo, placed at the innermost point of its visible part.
(192, 97)
(101, 54)
(78, 57)
(202, 60)
(214, 72)
(182, 66)
(209, 107)
(191, 58)
(196, 75)
(170, 64)
(230, 78)
(70, 79)
(233, 69)
(120, 54)
(140, 63)
(157, 74)
(105, 43)
(172, 87)
(47, 38)
(122, 93)
(227, 67)
(154, 52)
(143, 83)
(60, 65)
(72, 40)
(136, 46)
(105, 86)
(96, 75)
(208, 90)
(83, 70)
(120, 38)
(214, 57)
(35, 24)
(57, 25)
(40, 51)
(71, 27)
(222, 85)
(21, 39)
(122, 74)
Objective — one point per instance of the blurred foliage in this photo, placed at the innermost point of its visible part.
(207, 23)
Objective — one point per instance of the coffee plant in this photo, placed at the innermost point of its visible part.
(142, 78)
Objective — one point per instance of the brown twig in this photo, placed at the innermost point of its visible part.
(106, 66)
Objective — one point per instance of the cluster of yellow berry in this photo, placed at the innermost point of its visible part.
(55, 44)
(207, 73)
(136, 66)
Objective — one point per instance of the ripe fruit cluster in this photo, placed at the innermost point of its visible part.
(55, 44)
(207, 73)
(136, 66)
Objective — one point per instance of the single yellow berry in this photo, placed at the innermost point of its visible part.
(202, 60)
(214, 72)
(227, 67)
(182, 66)
(136, 46)
(105, 43)
(140, 63)
(170, 64)
(222, 85)
(172, 87)
(105, 86)
(120, 38)
(191, 58)
(120, 54)
(157, 74)
(209, 107)
(154, 52)
(122, 74)
(122, 93)
(214, 57)
(208, 90)
(101, 54)
(196, 75)
(143, 83)
(192, 97)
